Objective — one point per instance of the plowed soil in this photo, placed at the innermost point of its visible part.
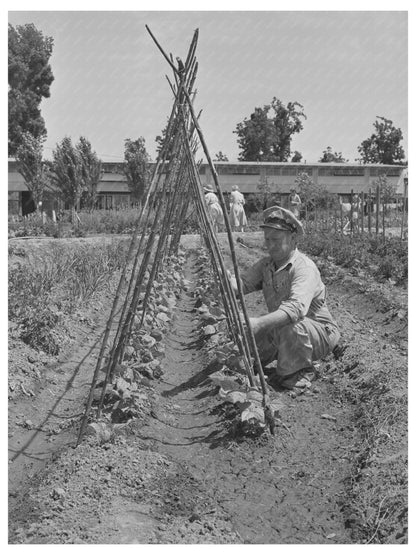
(184, 473)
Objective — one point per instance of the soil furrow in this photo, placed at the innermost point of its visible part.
(281, 489)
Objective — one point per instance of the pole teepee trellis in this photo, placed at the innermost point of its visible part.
(175, 185)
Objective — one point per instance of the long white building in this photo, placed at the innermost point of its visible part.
(280, 177)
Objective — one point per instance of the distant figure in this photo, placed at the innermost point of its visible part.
(214, 208)
(294, 203)
(346, 209)
(238, 217)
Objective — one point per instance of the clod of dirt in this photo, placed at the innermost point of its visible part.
(101, 430)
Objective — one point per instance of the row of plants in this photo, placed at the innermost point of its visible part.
(95, 222)
(385, 260)
(242, 403)
(127, 395)
(46, 288)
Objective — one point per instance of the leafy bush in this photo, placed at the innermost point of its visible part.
(38, 329)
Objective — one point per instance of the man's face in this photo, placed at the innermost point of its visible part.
(279, 243)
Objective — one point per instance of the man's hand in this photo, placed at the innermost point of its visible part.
(233, 281)
(256, 326)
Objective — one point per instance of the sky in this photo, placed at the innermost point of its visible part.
(344, 67)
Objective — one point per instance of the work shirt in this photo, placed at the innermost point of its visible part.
(295, 287)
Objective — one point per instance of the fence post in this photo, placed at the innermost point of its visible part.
(383, 219)
(362, 213)
(396, 209)
(377, 209)
(352, 213)
(369, 208)
(403, 209)
(341, 218)
(334, 210)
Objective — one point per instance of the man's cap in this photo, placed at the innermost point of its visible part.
(208, 189)
(277, 217)
(235, 188)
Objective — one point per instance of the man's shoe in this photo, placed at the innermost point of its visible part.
(301, 379)
(339, 350)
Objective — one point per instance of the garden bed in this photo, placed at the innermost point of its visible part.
(182, 470)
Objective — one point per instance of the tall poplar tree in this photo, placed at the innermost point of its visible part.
(30, 77)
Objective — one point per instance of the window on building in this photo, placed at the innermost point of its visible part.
(104, 202)
(121, 201)
(349, 171)
(325, 171)
(14, 204)
(305, 169)
(274, 171)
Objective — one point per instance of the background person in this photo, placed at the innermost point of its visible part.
(214, 208)
(238, 217)
(356, 207)
(294, 203)
(299, 328)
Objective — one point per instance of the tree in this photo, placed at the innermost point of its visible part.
(329, 157)
(387, 189)
(312, 194)
(67, 173)
(220, 157)
(30, 77)
(297, 157)
(91, 171)
(29, 156)
(136, 167)
(267, 134)
(383, 147)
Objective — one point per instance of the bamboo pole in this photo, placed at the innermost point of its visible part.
(171, 147)
(151, 190)
(232, 249)
(240, 337)
(233, 255)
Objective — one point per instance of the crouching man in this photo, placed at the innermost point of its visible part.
(299, 328)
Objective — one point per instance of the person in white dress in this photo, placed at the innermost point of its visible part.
(214, 208)
(238, 219)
